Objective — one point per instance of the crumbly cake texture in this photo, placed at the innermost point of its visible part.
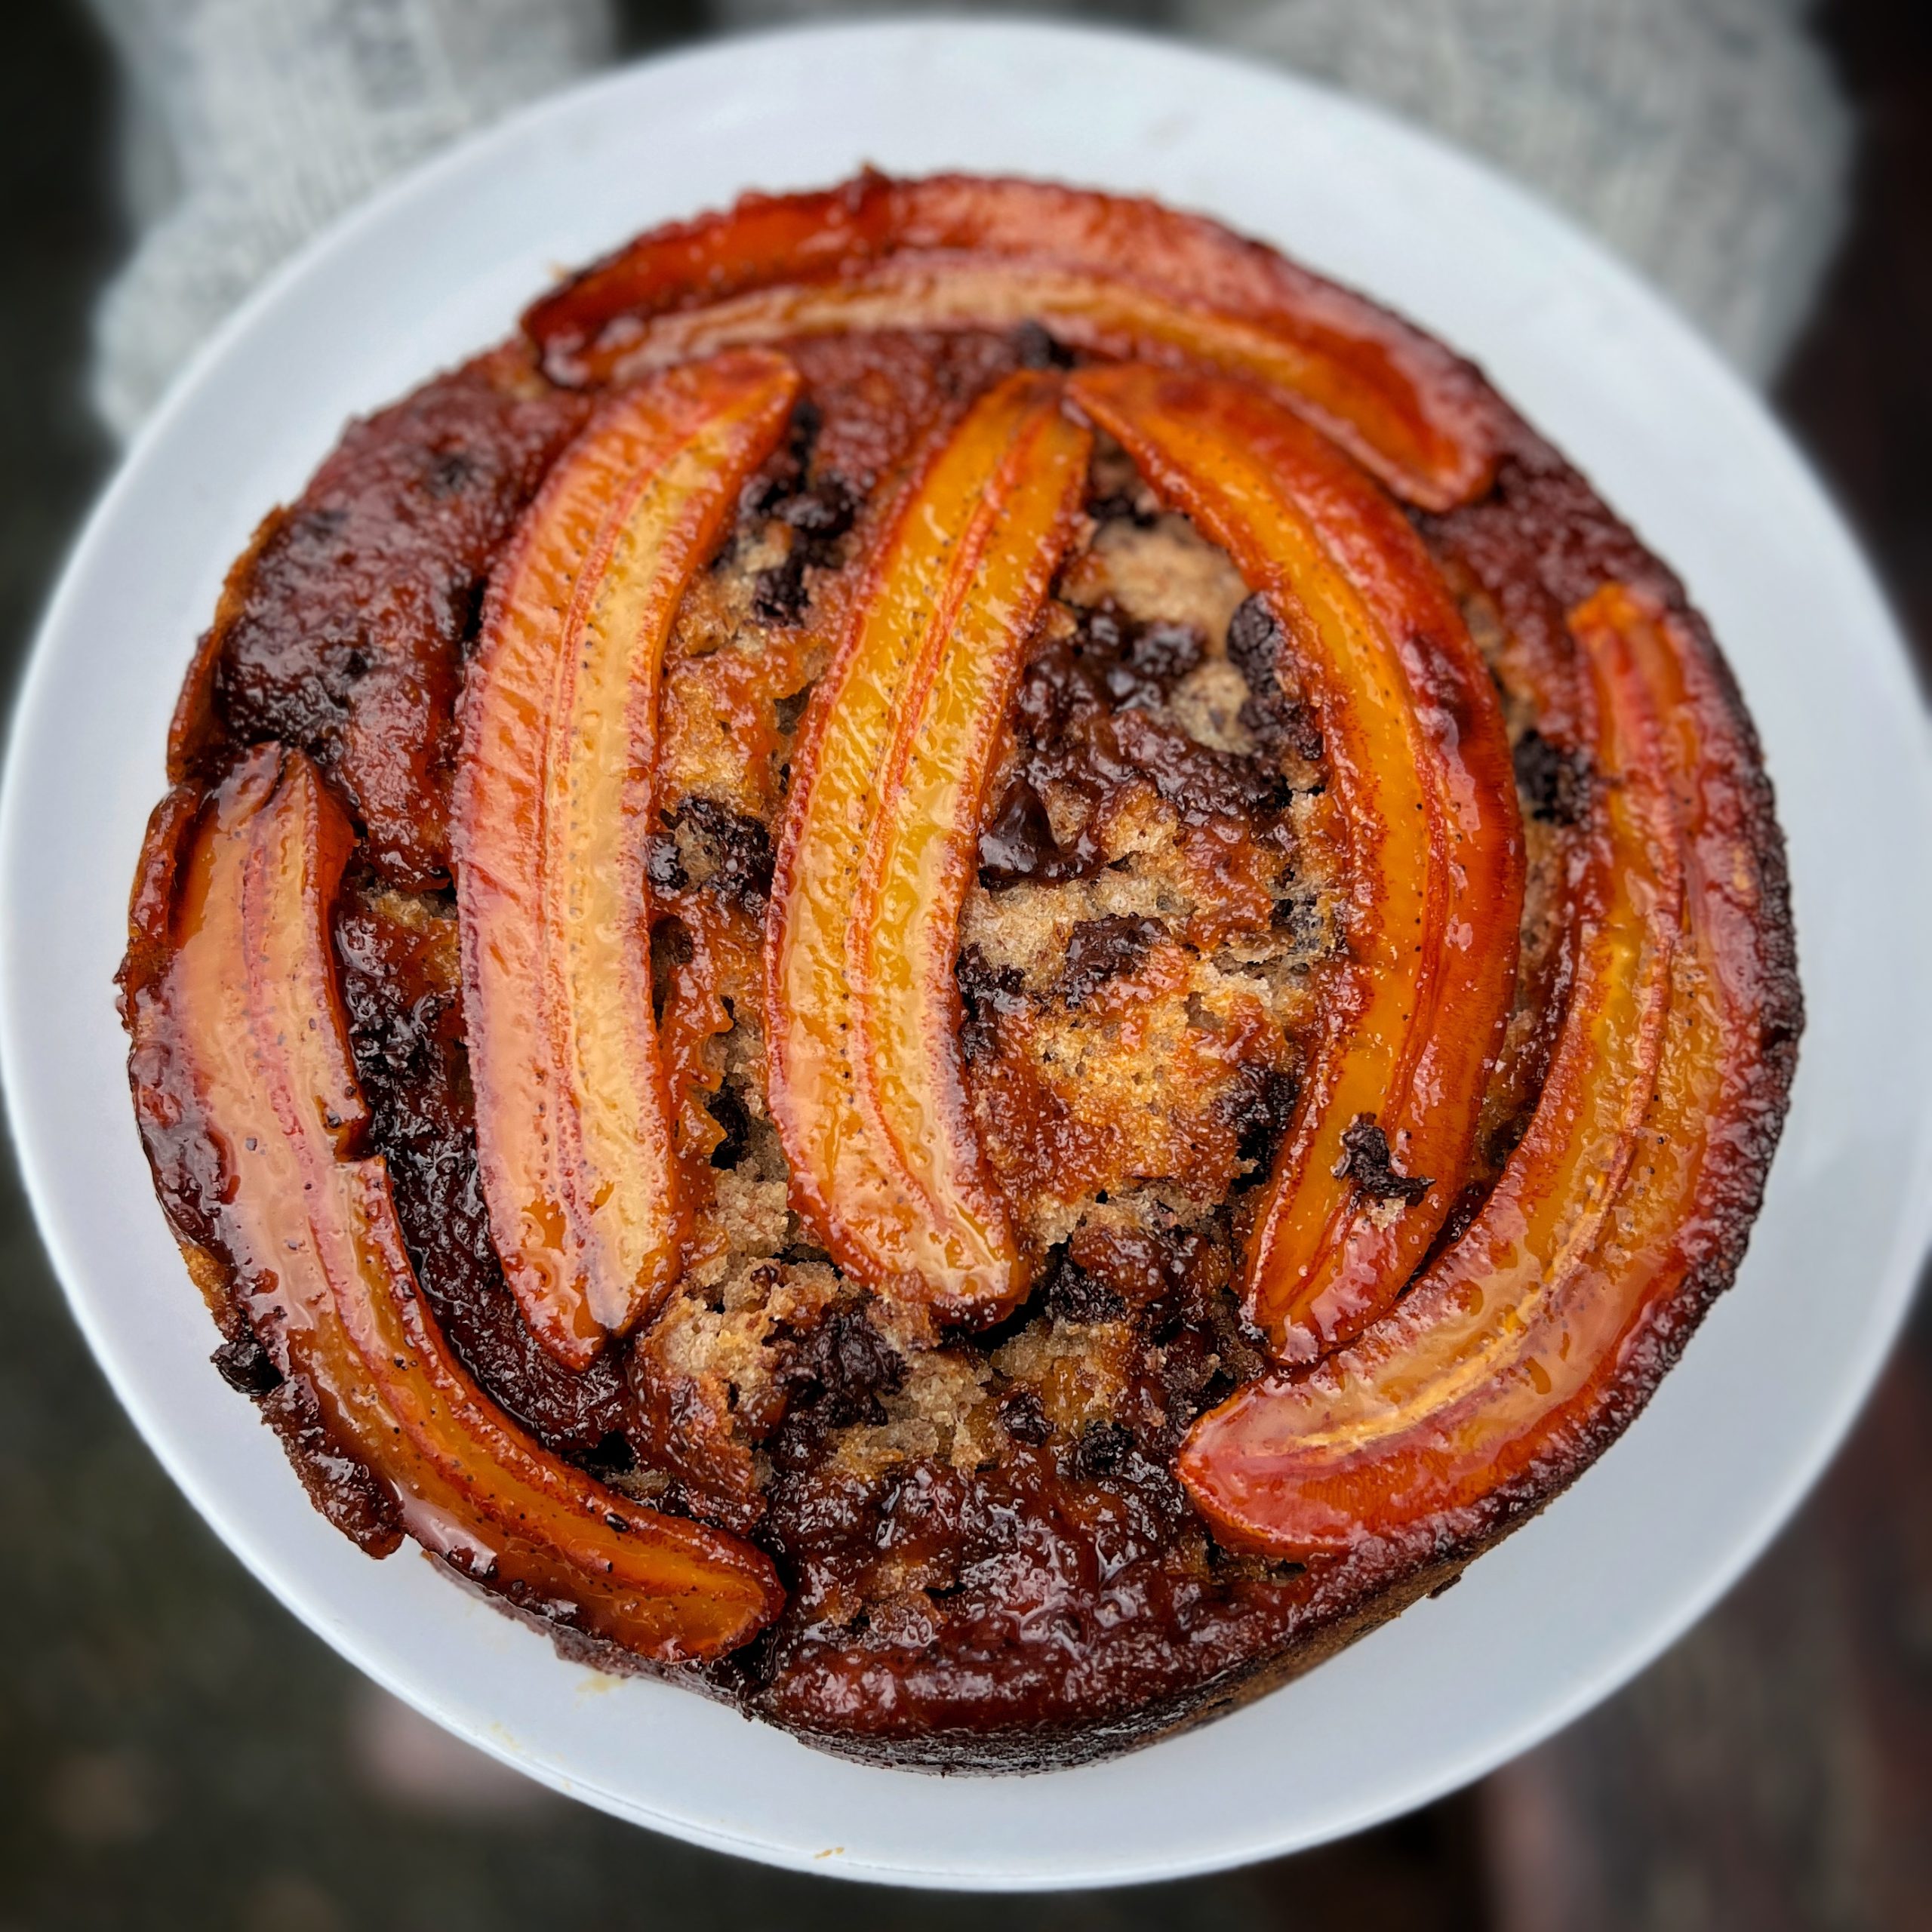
(987, 1559)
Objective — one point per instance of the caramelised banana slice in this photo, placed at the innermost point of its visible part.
(1118, 277)
(243, 1033)
(879, 848)
(1418, 759)
(553, 816)
(1490, 1381)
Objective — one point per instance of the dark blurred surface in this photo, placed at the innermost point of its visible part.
(175, 1752)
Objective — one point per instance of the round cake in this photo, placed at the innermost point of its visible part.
(964, 964)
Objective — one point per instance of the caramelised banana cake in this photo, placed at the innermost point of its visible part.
(963, 963)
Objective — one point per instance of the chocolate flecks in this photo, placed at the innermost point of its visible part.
(984, 991)
(1555, 782)
(1367, 1162)
(245, 1365)
(841, 1368)
(1099, 950)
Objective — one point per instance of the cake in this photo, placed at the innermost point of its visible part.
(964, 964)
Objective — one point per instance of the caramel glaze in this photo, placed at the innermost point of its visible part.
(1063, 1598)
(343, 627)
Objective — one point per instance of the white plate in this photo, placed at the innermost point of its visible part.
(1563, 1614)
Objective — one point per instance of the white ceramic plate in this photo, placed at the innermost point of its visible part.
(1568, 1609)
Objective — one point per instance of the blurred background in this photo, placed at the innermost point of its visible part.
(175, 1752)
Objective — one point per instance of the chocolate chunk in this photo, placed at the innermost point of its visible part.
(841, 1368)
(1555, 782)
(788, 711)
(1299, 916)
(1125, 686)
(779, 595)
(1367, 1162)
(1137, 661)
(1165, 651)
(245, 1365)
(1189, 1366)
(466, 606)
(728, 1110)
(1073, 1294)
(1254, 644)
(985, 991)
(1054, 691)
(821, 512)
(1124, 507)
(1258, 1106)
(1143, 1266)
(1284, 724)
(1099, 950)
(762, 493)
(1024, 1419)
(451, 472)
(1104, 1450)
(1020, 844)
(613, 1455)
(1204, 781)
(671, 947)
(671, 944)
(784, 470)
(731, 851)
(807, 420)
(1037, 349)
(1104, 629)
